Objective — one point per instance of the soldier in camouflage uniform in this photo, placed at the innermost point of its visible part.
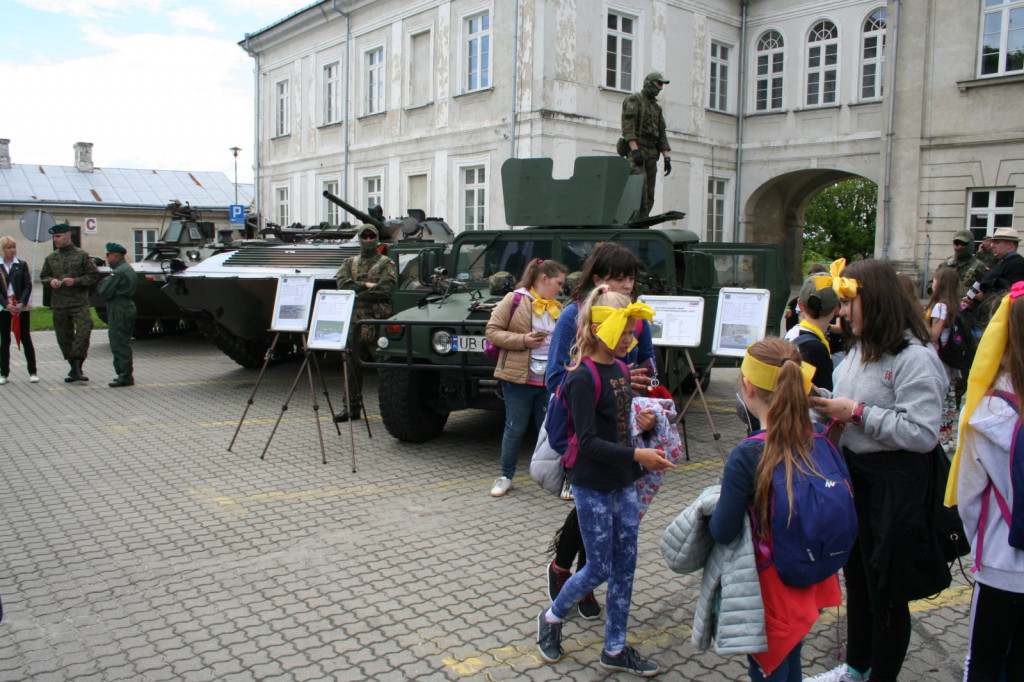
(643, 130)
(968, 266)
(69, 272)
(373, 277)
(118, 291)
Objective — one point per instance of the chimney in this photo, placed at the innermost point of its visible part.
(5, 153)
(83, 157)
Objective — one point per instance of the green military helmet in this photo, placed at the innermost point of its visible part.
(501, 283)
(656, 77)
(572, 280)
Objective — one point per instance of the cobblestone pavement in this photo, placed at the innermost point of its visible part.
(135, 546)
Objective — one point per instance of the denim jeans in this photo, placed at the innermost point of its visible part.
(788, 671)
(522, 402)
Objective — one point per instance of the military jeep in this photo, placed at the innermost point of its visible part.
(430, 358)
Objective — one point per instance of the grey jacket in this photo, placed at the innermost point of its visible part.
(729, 608)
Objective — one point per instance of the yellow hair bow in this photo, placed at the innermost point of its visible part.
(844, 286)
(766, 376)
(983, 372)
(611, 322)
(554, 308)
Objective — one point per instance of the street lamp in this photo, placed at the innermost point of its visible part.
(235, 150)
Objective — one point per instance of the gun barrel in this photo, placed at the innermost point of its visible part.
(365, 217)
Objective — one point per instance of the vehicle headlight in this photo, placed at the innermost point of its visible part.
(441, 342)
(383, 342)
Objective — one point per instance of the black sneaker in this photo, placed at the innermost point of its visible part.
(629, 661)
(588, 607)
(556, 579)
(549, 639)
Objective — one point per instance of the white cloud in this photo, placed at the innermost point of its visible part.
(193, 18)
(151, 101)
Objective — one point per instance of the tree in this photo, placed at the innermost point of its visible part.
(840, 221)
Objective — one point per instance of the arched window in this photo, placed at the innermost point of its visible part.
(822, 63)
(872, 56)
(770, 66)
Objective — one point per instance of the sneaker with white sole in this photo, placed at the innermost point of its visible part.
(629, 661)
(841, 673)
(33, 379)
(549, 639)
(3, 380)
(501, 486)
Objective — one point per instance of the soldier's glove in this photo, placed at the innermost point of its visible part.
(668, 165)
(636, 157)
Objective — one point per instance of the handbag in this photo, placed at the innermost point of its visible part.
(948, 527)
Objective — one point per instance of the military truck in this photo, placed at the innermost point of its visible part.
(230, 296)
(430, 358)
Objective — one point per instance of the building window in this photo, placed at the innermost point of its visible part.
(478, 52)
(1002, 40)
(332, 94)
(474, 191)
(281, 204)
(619, 52)
(822, 63)
(282, 112)
(872, 56)
(332, 212)
(989, 209)
(421, 70)
(373, 193)
(142, 240)
(375, 81)
(716, 210)
(719, 77)
(770, 65)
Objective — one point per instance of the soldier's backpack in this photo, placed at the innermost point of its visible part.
(964, 334)
(814, 541)
(1013, 515)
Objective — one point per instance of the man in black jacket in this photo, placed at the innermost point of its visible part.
(1010, 266)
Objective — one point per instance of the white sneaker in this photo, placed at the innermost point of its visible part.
(501, 486)
(3, 380)
(33, 379)
(839, 674)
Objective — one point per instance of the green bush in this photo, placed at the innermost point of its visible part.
(42, 319)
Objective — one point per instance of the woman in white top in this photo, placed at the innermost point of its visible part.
(940, 313)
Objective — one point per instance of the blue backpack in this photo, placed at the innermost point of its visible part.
(1012, 515)
(558, 423)
(815, 542)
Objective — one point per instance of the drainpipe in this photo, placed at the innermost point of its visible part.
(741, 103)
(256, 142)
(348, 67)
(515, 79)
(887, 193)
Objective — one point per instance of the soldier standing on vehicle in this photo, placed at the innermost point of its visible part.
(70, 272)
(643, 135)
(118, 291)
(373, 276)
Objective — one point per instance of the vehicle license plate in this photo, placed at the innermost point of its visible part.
(470, 344)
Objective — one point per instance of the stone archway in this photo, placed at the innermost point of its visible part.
(774, 211)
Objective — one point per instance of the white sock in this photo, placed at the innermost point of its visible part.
(550, 617)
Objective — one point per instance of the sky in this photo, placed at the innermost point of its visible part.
(159, 84)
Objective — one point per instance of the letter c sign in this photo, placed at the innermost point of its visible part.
(91, 226)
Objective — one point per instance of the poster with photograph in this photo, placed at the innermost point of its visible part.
(332, 315)
(291, 306)
(741, 319)
(678, 320)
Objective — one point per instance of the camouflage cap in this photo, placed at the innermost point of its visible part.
(367, 227)
(656, 76)
(114, 247)
(963, 236)
(60, 228)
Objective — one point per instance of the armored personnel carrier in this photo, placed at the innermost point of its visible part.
(230, 296)
(430, 357)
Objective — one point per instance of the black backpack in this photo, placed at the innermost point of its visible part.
(958, 350)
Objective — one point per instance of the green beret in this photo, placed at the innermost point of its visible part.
(114, 247)
(60, 228)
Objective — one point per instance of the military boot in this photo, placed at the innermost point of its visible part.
(73, 373)
(76, 372)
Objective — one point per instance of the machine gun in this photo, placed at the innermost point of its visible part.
(415, 226)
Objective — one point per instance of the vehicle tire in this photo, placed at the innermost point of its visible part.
(404, 397)
(246, 352)
(144, 329)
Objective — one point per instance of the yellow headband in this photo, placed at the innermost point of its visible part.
(986, 365)
(844, 286)
(611, 322)
(766, 376)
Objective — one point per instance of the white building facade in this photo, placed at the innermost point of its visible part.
(416, 104)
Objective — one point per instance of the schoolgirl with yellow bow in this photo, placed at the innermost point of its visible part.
(520, 327)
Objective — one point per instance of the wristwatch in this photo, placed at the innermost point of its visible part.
(857, 418)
